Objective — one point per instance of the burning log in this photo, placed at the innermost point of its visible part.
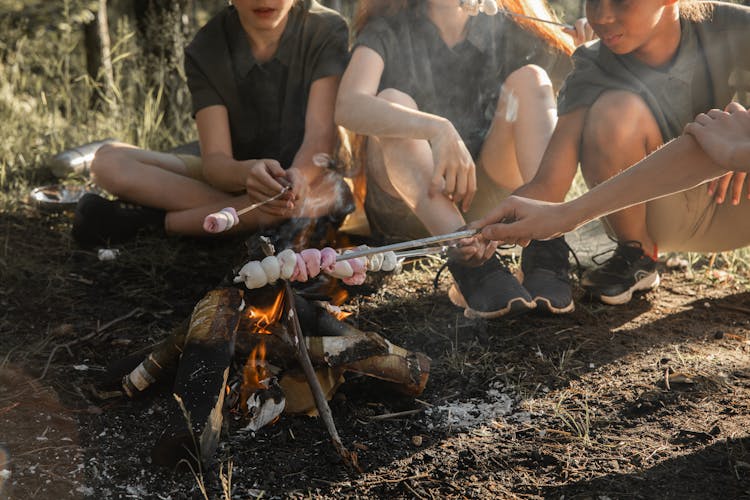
(201, 379)
(163, 359)
(324, 349)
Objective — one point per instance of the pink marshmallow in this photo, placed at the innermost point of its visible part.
(220, 221)
(312, 258)
(359, 266)
(328, 259)
(300, 271)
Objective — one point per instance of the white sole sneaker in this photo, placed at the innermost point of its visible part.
(648, 282)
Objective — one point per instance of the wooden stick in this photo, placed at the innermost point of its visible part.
(261, 203)
(350, 458)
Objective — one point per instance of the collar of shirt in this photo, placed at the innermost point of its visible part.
(681, 68)
(243, 59)
(478, 29)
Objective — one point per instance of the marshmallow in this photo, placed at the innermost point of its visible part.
(328, 259)
(253, 275)
(359, 269)
(288, 262)
(271, 267)
(390, 261)
(220, 221)
(312, 258)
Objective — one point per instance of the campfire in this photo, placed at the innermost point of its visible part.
(258, 353)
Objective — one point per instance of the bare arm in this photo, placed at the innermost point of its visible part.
(320, 135)
(360, 110)
(678, 166)
(560, 161)
(221, 170)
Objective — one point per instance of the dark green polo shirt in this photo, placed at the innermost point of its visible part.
(460, 83)
(266, 102)
(710, 69)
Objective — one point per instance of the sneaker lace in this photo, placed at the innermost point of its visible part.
(436, 280)
(617, 253)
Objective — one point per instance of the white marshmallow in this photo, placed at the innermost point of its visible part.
(272, 268)
(287, 262)
(390, 262)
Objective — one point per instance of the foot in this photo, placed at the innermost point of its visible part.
(629, 270)
(487, 291)
(100, 221)
(546, 276)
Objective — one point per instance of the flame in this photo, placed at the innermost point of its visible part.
(264, 317)
(254, 372)
(339, 296)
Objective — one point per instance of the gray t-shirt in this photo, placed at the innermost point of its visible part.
(267, 102)
(460, 83)
(710, 69)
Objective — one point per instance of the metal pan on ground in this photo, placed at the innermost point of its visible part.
(58, 197)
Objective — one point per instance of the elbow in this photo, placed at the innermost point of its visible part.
(341, 113)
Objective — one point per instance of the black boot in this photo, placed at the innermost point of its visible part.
(99, 221)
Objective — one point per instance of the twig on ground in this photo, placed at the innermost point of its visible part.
(399, 414)
(730, 307)
(350, 458)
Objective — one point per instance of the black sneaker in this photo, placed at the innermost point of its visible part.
(488, 291)
(99, 221)
(628, 270)
(546, 276)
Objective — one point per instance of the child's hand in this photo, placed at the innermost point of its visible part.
(581, 33)
(720, 190)
(454, 171)
(724, 135)
(300, 189)
(264, 180)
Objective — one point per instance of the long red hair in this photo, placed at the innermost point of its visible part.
(551, 34)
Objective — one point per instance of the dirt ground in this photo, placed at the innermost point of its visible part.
(649, 400)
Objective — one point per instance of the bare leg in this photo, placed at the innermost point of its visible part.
(619, 131)
(160, 180)
(403, 168)
(524, 120)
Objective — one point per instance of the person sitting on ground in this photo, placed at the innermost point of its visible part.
(656, 65)
(437, 92)
(263, 80)
(716, 142)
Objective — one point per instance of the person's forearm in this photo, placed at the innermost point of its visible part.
(224, 172)
(322, 142)
(678, 166)
(369, 115)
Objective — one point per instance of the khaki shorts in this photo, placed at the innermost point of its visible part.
(391, 219)
(693, 221)
(194, 166)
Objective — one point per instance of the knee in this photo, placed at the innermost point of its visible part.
(107, 164)
(398, 97)
(618, 122)
(528, 77)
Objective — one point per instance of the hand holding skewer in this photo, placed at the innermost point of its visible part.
(226, 218)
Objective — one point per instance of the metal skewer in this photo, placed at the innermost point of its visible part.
(537, 19)
(467, 233)
(261, 203)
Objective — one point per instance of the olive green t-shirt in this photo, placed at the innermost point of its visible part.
(461, 83)
(266, 102)
(710, 69)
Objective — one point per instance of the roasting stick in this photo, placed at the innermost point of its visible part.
(538, 19)
(404, 245)
(321, 403)
(261, 203)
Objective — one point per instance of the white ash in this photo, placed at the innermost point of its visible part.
(476, 412)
